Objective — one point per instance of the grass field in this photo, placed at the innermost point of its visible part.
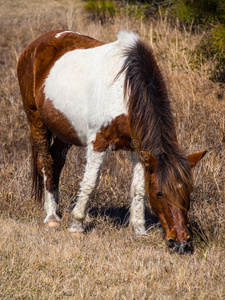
(108, 262)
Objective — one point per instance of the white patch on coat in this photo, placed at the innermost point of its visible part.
(80, 85)
(66, 31)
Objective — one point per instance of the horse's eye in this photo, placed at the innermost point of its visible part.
(159, 195)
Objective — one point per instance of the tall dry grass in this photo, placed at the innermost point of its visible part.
(108, 262)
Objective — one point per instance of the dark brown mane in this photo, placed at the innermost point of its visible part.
(151, 119)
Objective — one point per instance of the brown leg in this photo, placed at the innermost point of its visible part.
(58, 152)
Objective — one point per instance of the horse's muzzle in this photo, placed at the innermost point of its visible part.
(180, 247)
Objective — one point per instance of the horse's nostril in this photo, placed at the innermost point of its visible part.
(171, 243)
(184, 244)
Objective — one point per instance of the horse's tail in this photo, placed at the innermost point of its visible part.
(37, 179)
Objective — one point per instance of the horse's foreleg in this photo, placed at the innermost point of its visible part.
(137, 209)
(87, 186)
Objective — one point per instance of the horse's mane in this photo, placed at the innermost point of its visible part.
(151, 119)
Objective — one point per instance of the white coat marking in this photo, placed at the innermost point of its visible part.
(80, 85)
(66, 31)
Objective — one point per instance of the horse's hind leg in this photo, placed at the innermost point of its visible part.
(46, 166)
(87, 186)
(58, 151)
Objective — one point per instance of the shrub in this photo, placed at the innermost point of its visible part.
(101, 9)
(217, 40)
(204, 13)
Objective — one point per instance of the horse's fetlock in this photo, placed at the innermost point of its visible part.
(138, 230)
(76, 226)
(78, 215)
(137, 227)
(51, 218)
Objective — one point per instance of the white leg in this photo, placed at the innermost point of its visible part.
(87, 186)
(50, 205)
(137, 209)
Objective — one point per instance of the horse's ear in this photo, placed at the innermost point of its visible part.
(195, 158)
(149, 159)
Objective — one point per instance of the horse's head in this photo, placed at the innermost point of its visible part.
(168, 186)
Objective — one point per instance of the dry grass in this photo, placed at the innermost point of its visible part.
(105, 264)
(108, 263)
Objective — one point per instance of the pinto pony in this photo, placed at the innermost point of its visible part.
(79, 91)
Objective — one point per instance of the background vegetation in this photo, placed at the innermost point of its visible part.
(206, 17)
(108, 262)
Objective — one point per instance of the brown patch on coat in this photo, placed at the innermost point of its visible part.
(57, 122)
(115, 135)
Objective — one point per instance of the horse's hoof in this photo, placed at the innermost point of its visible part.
(52, 224)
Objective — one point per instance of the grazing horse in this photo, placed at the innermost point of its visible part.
(79, 91)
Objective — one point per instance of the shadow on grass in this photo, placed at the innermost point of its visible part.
(119, 217)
